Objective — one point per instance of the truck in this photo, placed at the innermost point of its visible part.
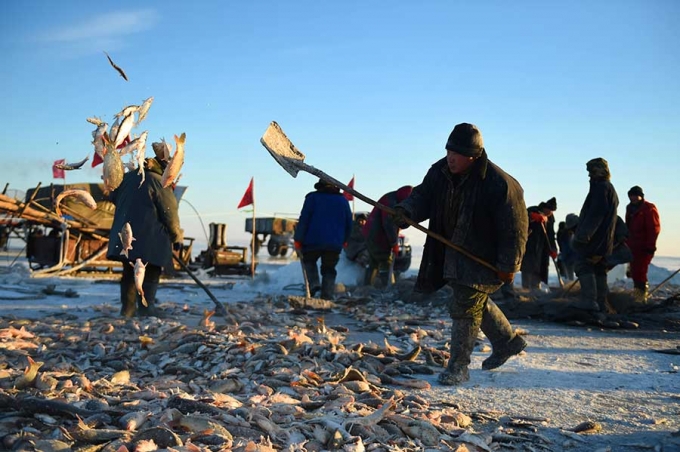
(279, 230)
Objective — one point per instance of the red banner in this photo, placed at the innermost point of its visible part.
(349, 196)
(58, 173)
(248, 196)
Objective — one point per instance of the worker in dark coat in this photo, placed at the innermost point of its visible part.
(152, 212)
(356, 245)
(644, 226)
(480, 208)
(567, 257)
(323, 229)
(594, 236)
(541, 245)
(382, 235)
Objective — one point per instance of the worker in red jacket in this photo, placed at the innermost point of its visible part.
(642, 219)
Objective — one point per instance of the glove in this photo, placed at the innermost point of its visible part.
(536, 217)
(400, 216)
(506, 277)
(553, 254)
(395, 249)
(177, 246)
(297, 245)
(344, 245)
(594, 259)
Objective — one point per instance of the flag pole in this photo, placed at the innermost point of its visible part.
(353, 201)
(252, 241)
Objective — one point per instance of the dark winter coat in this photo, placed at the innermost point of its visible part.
(537, 254)
(152, 212)
(594, 235)
(482, 212)
(380, 231)
(644, 227)
(564, 237)
(356, 243)
(325, 222)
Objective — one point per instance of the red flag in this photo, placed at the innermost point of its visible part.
(58, 173)
(96, 160)
(349, 196)
(248, 196)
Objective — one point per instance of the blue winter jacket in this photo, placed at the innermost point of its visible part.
(325, 222)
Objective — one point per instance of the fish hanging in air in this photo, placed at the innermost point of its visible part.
(72, 166)
(120, 71)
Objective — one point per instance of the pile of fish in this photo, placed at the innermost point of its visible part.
(278, 379)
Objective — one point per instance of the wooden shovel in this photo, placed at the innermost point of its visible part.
(292, 160)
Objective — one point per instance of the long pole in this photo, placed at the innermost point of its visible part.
(353, 201)
(557, 269)
(252, 240)
(662, 283)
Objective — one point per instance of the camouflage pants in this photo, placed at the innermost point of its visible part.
(467, 303)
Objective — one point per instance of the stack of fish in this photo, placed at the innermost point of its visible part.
(274, 381)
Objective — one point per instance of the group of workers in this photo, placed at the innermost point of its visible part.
(633, 242)
(472, 203)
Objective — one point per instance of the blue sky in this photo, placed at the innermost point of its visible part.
(370, 89)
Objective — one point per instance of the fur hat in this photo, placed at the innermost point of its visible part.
(598, 168)
(551, 204)
(636, 190)
(466, 139)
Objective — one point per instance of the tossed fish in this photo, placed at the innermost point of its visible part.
(126, 239)
(171, 172)
(120, 71)
(130, 109)
(124, 130)
(113, 166)
(94, 120)
(97, 138)
(72, 166)
(82, 195)
(141, 154)
(140, 271)
(144, 109)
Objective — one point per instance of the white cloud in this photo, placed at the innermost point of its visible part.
(107, 27)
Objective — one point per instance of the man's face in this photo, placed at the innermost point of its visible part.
(458, 163)
(635, 199)
(547, 212)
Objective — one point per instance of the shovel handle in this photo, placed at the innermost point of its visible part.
(323, 176)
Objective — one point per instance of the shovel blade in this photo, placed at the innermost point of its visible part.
(281, 148)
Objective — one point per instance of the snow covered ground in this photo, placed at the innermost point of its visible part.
(567, 375)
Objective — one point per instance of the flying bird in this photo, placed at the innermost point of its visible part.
(120, 71)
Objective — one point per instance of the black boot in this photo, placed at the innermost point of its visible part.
(504, 341)
(602, 292)
(328, 287)
(463, 336)
(312, 277)
(128, 293)
(588, 300)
